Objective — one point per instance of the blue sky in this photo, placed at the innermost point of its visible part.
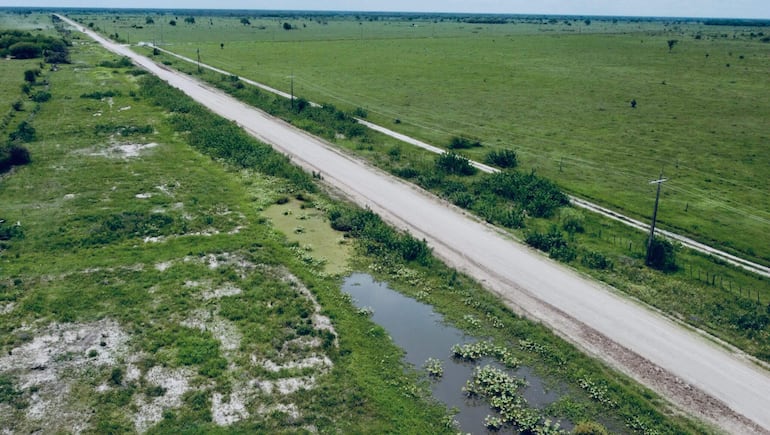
(676, 8)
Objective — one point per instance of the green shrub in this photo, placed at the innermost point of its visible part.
(123, 62)
(97, 95)
(451, 163)
(595, 260)
(25, 50)
(30, 75)
(8, 232)
(662, 255)
(360, 112)
(41, 96)
(505, 159)
(553, 240)
(538, 196)
(460, 143)
(23, 133)
(571, 220)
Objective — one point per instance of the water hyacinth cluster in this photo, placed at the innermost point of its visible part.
(434, 368)
(481, 349)
(597, 392)
(501, 390)
(365, 311)
(472, 321)
(493, 423)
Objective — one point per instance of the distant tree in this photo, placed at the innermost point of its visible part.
(587, 21)
(172, 23)
(41, 97)
(245, 21)
(24, 133)
(222, 45)
(30, 75)
(18, 155)
(189, 20)
(671, 43)
(633, 104)
(17, 105)
(149, 20)
(286, 26)
(25, 50)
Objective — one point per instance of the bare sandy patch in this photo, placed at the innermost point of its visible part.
(215, 261)
(162, 266)
(7, 308)
(223, 330)
(123, 150)
(221, 292)
(176, 382)
(322, 363)
(289, 409)
(285, 386)
(227, 413)
(52, 362)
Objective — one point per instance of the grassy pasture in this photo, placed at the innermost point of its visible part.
(560, 95)
(86, 207)
(10, 93)
(705, 293)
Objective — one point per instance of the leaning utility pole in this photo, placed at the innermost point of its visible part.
(659, 181)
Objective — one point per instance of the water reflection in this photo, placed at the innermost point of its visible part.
(421, 332)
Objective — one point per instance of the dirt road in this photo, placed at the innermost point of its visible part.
(698, 375)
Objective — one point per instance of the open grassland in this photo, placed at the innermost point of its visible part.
(701, 291)
(560, 95)
(146, 291)
(14, 105)
(27, 21)
(149, 294)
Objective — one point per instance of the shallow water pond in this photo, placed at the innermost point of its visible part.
(423, 334)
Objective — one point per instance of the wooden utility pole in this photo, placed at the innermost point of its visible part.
(292, 89)
(659, 181)
(199, 60)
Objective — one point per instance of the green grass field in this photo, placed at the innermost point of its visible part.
(153, 265)
(560, 95)
(704, 292)
(151, 291)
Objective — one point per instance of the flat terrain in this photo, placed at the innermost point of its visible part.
(562, 299)
(560, 95)
(147, 293)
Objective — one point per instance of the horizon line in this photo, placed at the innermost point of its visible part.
(340, 11)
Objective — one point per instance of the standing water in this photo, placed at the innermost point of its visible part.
(422, 334)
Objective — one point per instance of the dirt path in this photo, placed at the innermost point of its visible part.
(693, 372)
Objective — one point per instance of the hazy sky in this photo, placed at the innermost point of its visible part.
(670, 8)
